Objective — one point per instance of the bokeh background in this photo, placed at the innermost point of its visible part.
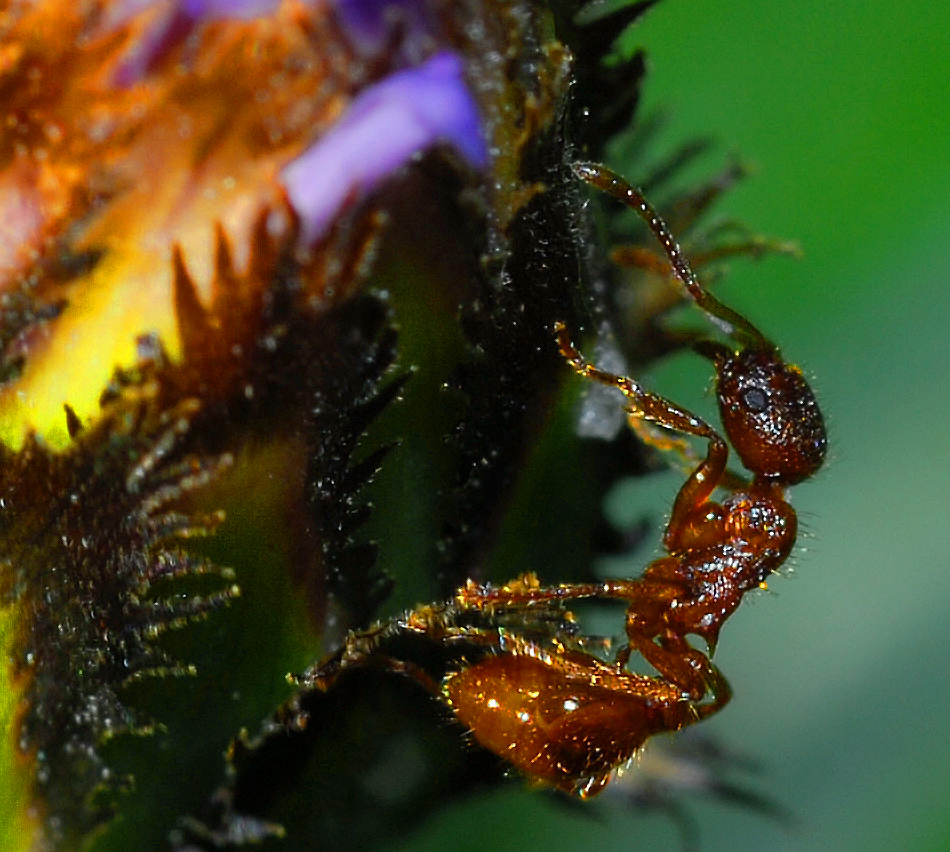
(842, 672)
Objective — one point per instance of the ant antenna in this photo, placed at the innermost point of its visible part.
(732, 323)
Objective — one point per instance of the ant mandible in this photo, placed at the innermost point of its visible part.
(538, 697)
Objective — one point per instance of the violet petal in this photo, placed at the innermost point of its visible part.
(200, 10)
(370, 23)
(385, 127)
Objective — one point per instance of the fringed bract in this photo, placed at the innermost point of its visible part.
(89, 539)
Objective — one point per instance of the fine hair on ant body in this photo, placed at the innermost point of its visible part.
(537, 696)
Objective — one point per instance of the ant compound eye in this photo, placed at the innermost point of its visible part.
(771, 416)
(755, 400)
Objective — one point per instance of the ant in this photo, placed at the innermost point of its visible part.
(537, 695)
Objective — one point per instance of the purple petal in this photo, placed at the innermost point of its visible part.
(200, 10)
(385, 127)
(371, 23)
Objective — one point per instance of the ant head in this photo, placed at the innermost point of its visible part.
(770, 415)
(768, 410)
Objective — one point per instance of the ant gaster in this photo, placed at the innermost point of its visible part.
(538, 697)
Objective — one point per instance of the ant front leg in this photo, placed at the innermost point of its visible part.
(693, 517)
(730, 321)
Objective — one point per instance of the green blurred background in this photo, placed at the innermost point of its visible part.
(841, 674)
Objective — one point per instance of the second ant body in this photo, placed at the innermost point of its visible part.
(536, 695)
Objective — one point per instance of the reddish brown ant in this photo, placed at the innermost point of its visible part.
(539, 697)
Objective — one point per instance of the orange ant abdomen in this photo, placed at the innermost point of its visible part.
(570, 723)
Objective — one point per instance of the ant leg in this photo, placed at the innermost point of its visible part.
(324, 675)
(677, 662)
(663, 440)
(364, 648)
(525, 592)
(367, 648)
(690, 459)
(644, 405)
(733, 323)
(662, 291)
(719, 689)
(673, 657)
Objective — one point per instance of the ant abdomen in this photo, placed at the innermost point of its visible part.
(770, 415)
(571, 725)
